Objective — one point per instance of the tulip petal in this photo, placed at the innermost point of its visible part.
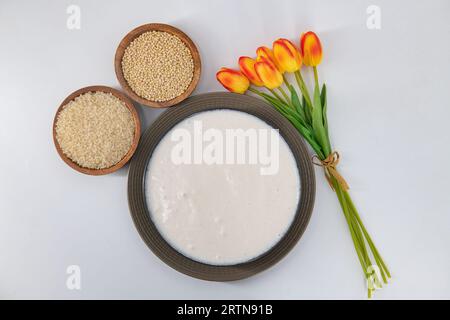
(233, 80)
(286, 55)
(311, 49)
(264, 52)
(268, 73)
(247, 66)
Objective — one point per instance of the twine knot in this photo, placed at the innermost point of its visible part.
(329, 165)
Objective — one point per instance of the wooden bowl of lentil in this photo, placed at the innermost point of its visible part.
(135, 138)
(153, 66)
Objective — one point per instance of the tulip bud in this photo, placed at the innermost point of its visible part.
(286, 55)
(247, 66)
(268, 73)
(233, 80)
(264, 52)
(311, 49)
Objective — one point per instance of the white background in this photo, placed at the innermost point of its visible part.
(388, 109)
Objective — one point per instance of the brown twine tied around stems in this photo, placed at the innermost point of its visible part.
(329, 165)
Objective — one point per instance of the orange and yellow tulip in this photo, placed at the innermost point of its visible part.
(311, 49)
(286, 55)
(268, 73)
(233, 80)
(264, 52)
(247, 66)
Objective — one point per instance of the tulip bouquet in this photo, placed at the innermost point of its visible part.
(308, 114)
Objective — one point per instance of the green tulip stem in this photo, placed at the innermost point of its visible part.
(276, 95)
(284, 95)
(316, 76)
(303, 88)
(255, 91)
(288, 84)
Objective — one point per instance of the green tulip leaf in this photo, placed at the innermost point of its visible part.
(323, 99)
(297, 104)
(317, 121)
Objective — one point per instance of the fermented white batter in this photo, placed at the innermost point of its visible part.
(221, 214)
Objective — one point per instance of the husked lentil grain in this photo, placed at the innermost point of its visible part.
(95, 130)
(158, 66)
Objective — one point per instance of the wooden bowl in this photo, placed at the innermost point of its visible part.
(165, 28)
(137, 131)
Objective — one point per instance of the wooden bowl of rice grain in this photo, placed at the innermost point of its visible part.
(157, 65)
(96, 130)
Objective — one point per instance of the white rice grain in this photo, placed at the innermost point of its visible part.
(95, 130)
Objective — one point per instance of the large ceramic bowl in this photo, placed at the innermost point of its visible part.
(137, 199)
